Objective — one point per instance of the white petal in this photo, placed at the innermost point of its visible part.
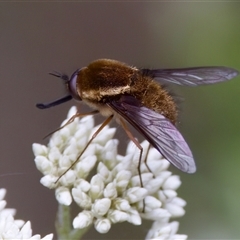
(63, 196)
(81, 137)
(135, 194)
(3, 204)
(49, 181)
(108, 153)
(82, 185)
(110, 191)
(111, 146)
(39, 149)
(146, 177)
(97, 186)
(72, 127)
(55, 141)
(7, 211)
(179, 201)
(158, 165)
(125, 164)
(152, 202)
(64, 162)
(19, 222)
(179, 237)
(105, 135)
(26, 230)
(65, 133)
(54, 155)
(117, 216)
(48, 237)
(9, 229)
(156, 214)
(35, 237)
(122, 180)
(83, 219)
(87, 122)
(122, 204)
(174, 227)
(91, 150)
(131, 148)
(101, 206)
(104, 172)
(43, 165)
(72, 111)
(71, 151)
(161, 230)
(81, 198)
(164, 175)
(173, 182)
(68, 178)
(134, 217)
(84, 166)
(154, 154)
(153, 185)
(170, 193)
(175, 210)
(102, 225)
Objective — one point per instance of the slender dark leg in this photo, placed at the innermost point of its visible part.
(105, 123)
(145, 160)
(71, 120)
(138, 145)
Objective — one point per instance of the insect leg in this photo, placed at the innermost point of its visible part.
(126, 129)
(105, 123)
(71, 120)
(145, 160)
(138, 145)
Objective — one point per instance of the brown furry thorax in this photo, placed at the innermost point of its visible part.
(105, 79)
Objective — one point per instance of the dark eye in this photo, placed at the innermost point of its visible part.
(72, 85)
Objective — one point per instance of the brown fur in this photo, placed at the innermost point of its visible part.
(106, 79)
(103, 78)
(154, 96)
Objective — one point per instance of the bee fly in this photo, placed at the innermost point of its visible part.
(136, 96)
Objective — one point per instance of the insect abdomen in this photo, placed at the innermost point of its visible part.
(154, 96)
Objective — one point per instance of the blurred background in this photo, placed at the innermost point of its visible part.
(37, 38)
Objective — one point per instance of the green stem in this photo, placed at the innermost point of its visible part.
(64, 225)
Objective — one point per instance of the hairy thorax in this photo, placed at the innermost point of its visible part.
(106, 80)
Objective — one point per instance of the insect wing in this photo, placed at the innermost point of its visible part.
(158, 130)
(192, 76)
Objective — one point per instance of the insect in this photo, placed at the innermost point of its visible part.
(136, 96)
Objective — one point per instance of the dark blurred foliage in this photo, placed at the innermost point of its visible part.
(37, 38)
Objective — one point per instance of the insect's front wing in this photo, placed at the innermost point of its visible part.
(192, 76)
(158, 130)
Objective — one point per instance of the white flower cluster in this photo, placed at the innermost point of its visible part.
(114, 193)
(15, 229)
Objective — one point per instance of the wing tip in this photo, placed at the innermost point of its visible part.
(233, 74)
(188, 164)
(192, 169)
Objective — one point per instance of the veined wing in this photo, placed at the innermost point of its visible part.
(158, 130)
(192, 76)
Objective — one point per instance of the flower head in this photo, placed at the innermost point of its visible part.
(165, 231)
(15, 229)
(113, 193)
